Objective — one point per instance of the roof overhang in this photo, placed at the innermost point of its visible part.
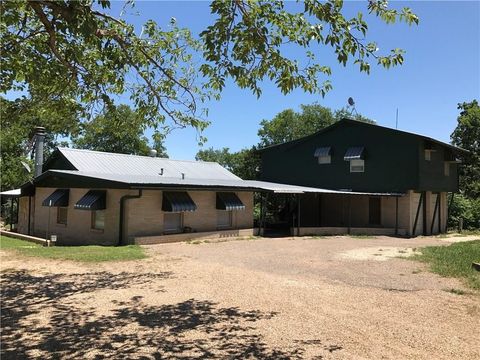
(70, 178)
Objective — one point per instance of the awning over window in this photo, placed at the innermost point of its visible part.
(177, 201)
(93, 200)
(229, 201)
(322, 151)
(58, 198)
(354, 153)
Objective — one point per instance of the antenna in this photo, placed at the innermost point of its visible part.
(351, 106)
(396, 120)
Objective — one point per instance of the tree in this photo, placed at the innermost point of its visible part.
(244, 163)
(119, 130)
(289, 125)
(17, 122)
(467, 136)
(80, 53)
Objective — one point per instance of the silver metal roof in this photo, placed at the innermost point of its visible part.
(157, 181)
(112, 163)
(11, 193)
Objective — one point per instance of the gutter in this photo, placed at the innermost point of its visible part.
(123, 201)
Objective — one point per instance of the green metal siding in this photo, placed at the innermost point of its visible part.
(392, 161)
(432, 173)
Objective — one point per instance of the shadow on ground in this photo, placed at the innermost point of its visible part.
(39, 320)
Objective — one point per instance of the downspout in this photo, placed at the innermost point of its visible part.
(123, 201)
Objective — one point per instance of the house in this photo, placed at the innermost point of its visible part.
(351, 177)
(405, 179)
(88, 197)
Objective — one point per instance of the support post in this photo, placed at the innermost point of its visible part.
(417, 214)
(396, 215)
(439, 212)
(11, 213)
(29, 215)
(349, 205)
(435, 213)
(425, 213)
(298, 216)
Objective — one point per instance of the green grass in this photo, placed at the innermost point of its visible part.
(453, 261)
(89, 253)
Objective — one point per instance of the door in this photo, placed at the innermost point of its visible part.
(374, 210)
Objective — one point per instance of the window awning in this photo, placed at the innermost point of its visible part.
(354, 153)
(58, 198)
(177, 201)
(229, 201)
(93, 200)
(322, 151)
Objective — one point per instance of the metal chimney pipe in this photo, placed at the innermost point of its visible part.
(152, 153)
(39, 141)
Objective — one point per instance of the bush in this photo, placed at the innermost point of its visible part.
(464, 208)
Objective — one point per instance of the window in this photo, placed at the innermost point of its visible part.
(172, 222)
(446, 168)
(98, 219)
(428, 154)
(374, 210)
(327, 159)
(224, 219)
(357, 165)
(62, 213)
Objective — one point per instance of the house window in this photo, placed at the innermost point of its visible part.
(357, 166)
(374, 210)
(327, 159)
(172, 222)
(98, 219)
(62, 213)
(446, 168)
(224, 219)
(428, 154)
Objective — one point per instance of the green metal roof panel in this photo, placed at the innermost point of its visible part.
(93, 200)
(229, 201)
(58, 198)
(177, 201)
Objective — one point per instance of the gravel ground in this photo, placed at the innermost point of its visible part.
(318, 298)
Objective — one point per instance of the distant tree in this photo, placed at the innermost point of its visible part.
(467, 136)
(17, 123)
(289, 125)
(119, 130)
(244, 163)
(343, 113)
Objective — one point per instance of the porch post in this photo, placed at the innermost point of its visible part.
(396, 215)
(11, 213)
(349, 204)
(298, 216)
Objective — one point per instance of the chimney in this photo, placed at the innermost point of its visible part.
(153, 153)
(39, 140)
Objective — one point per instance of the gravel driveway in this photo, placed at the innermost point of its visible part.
(319, 298)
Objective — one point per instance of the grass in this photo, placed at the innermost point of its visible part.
(453, 261)
(88, 253)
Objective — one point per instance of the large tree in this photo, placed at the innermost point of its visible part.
(78, 52)
(467, 136)
(119, 130)
(289, 125)
(17, 122)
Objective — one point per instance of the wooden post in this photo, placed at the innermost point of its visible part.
(417, 214)
(298, 216)
(425, 213)
(396, 215)
(11, 213)
(435, 213)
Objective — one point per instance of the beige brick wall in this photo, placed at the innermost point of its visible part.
(78, 229)
(145, 215)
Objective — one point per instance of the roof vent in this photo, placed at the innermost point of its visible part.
(161, 172)
(183, 176)
(153, 153)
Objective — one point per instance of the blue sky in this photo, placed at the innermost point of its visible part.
(441, 69)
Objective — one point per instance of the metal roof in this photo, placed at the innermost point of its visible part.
(11, 193)
(157, 181)
(355, 152)
(112, 163)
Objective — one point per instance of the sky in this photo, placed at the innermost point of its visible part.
(441, 69)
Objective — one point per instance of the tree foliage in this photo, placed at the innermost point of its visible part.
(289, 125)
(244, 163)
(119, 130)
(78, 53)
(17, 122)
(467, 136)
